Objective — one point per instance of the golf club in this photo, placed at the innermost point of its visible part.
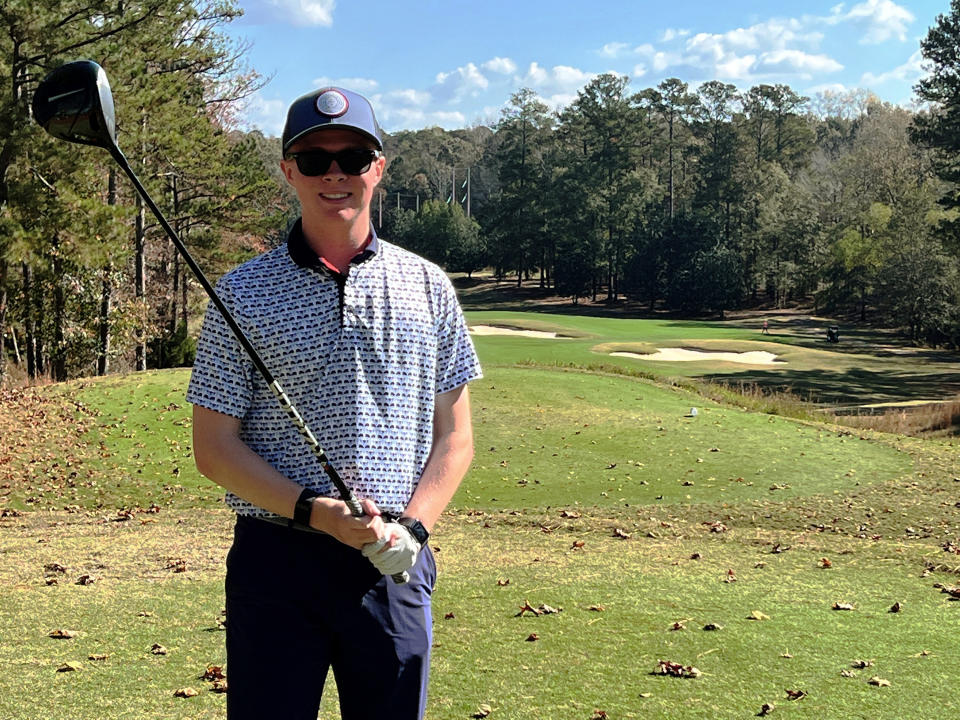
(74, 103)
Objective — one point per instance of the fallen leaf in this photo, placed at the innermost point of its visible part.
(85, 580)
(596, 608)
(577, 545)
(713, 627)
(570, 514)
(731, 576)
(219, 686)
(843, 606)
(213, 672)
(70, 666)
(860, 664)
(795, 694)
(825, 563)
(61, 634)
(847, 673)
(483, 710)
(673, 669)
(879, 681)
(502, 583)
(895, 608)
(449, 616)
(532, 637)
(98, 656)
(187, 692)
(678, 626)
(757, 615)
(766, 709)
(158, 649)
(622, 534)
(599, 715)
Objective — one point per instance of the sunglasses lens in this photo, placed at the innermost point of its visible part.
(317, 162)
(355, 162)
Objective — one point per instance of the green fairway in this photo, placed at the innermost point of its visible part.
(595, 491)
(864, 368)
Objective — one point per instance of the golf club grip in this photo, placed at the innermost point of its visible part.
(345, 494)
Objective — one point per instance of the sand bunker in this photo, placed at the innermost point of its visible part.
(755, 357)
(493, 330)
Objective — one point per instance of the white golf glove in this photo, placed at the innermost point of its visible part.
(396, 559)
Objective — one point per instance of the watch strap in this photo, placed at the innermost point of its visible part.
(304, 507)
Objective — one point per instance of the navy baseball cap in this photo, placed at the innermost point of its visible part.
(330, 107)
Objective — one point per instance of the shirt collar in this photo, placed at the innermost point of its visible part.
(304, 256)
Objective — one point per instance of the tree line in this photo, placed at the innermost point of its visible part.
(693, 200)
(698, 201)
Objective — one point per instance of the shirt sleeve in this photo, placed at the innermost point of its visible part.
(221, 377)
(457, 361)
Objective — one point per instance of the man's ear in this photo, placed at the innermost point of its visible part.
(286, 167)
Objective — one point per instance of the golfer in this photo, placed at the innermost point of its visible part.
(371, 346)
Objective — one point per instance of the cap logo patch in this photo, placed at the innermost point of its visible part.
(332, 103)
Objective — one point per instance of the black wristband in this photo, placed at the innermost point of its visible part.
(304, 506)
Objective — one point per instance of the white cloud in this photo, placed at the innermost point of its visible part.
(392, 118)
(306, 12)
(672, 34)
(463, 82)
(877, 20)
(409, 98)
(614, 49)
(559, 81)
(501, 66)
(796, 61)
(910, 71)
(267, 114)
(360, 85)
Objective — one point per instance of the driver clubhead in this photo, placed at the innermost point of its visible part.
(74, 103)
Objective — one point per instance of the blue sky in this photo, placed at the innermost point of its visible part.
(455, 64)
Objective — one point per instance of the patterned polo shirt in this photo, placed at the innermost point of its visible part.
(362, 356)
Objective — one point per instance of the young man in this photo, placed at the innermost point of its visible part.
(371, 346)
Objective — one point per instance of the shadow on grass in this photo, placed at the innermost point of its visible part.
(849, 387)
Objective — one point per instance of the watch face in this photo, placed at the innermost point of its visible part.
(416, 528)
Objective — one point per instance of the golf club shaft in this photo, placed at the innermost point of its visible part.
(345, 493)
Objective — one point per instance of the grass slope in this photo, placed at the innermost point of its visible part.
(593, 493)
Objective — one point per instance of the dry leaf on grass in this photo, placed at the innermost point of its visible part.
(766, 709)
(757, 615)
(98, 656)
(879, 681)
(673, 669)
(62, 634)
(70, 666)
(158, 649)
(542, 609)
(795, 694)
(187, 692)
(843, 606)
(483, 710)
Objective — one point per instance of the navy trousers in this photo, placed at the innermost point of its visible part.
(300, 603)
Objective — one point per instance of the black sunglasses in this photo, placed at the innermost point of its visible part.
(353, 161)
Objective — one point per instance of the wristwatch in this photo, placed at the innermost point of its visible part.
(303, 508)
(416, 528)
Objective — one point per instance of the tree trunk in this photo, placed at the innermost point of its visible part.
(3, 320)
(140, 267)
(29, 326)
(106, 292)
(58, 358)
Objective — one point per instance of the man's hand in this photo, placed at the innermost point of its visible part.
(396, 552)
(334, 518)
